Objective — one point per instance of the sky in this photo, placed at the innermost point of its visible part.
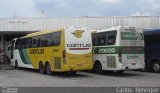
(77, 8)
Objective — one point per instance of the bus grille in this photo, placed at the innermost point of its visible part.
(111, 61)
(57, 62)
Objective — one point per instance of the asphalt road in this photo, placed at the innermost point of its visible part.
(32, 78)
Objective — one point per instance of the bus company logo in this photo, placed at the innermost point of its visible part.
(78, 33)
(107, 50)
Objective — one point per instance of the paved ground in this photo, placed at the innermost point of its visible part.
(6, 66)
(32, 78)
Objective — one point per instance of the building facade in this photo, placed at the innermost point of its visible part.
(16, 27)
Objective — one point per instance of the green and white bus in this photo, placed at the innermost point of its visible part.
(118, 49)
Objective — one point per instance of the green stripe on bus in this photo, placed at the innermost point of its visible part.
(24, 56)
(106, 50)
(132, 36)
(119, 49)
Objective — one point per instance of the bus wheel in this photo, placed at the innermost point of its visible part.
(42, 68)
(48, 69)
(97, 68)
(156, 67)
(16, 65)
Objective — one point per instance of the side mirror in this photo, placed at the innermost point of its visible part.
(9, 48)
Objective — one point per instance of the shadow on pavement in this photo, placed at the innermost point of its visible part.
(57, 74)
(124, 74)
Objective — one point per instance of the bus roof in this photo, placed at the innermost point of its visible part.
(48, 31)
(41, 32)
(151, 31)
(109, 29)
(115, 28)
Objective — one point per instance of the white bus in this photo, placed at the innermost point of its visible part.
(118, 49)
(63, 50)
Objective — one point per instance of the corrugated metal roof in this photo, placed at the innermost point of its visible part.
(36, 24)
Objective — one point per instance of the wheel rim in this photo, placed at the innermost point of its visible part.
(156, 67)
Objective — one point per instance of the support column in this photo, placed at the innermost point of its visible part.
(2, 41)
(1, 47)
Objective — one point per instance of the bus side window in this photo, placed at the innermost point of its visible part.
(102, 41)
(102, 38)
(45, 40)
(111, 39)
(30, 43)
(50, 39)
(21, 41)
(39, 41)
(42, 41)
(56, 38)
(94, 39)
(34, 42)
(27, 43)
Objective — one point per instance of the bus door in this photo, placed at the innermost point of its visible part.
(12, 48)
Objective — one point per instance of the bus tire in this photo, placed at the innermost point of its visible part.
(42, 68)
(156, 66)
(48, 68)
(16, 64)
(97, 68)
